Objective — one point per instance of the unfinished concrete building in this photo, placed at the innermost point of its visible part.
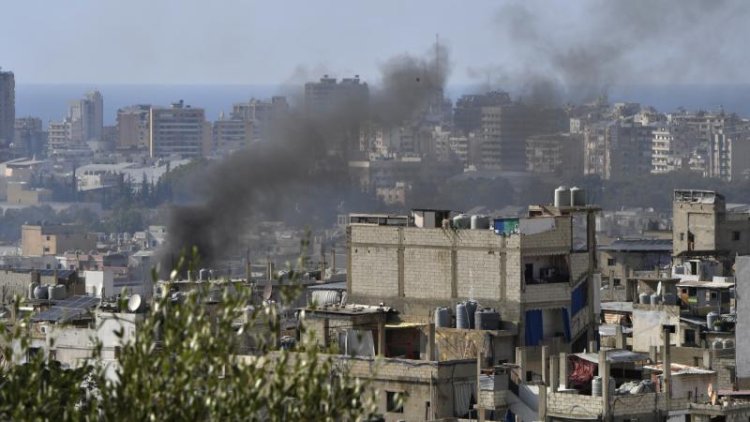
(704, 230)
(535, 271)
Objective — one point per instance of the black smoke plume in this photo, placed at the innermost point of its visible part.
(301, 173)
(578, 53)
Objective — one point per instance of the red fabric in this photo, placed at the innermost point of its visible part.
(581, 373)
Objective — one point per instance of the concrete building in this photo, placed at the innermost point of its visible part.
(7, 107)
(330, 95)
(59, 136)
(87, 117)
(536, 271)
(39, 240)
(179, 130)
(505, 128)
(559, 155)
(625, 258)
(702, 227)
(30, 139)
(133, 129)
(21, 193)
(232, 134)
(729, 155)
(617, 149)
(467, 114)
(262, 115)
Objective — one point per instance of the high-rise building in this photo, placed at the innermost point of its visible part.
(87, 117)
(133, 127)
(7, 107)
(329, 95)
(504, 129)
(29, 139)
(559, 154)
(261, 114)
(467, 116)
(729, 156)
(179, 130)
(232, 134)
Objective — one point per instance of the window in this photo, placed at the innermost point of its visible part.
(394, 403)
(735, 236)
(682, 236)
(48, 237)
(615, 282)
(611, 262)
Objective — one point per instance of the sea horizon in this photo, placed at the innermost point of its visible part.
(50, 101)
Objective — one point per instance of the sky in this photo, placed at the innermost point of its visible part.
(277, 42)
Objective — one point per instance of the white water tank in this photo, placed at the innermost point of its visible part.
(577, 197)
(562, 197)
(462, 221)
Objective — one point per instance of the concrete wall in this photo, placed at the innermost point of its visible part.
(647, 325)
(421, 381)
(417, 269)
(742, 343)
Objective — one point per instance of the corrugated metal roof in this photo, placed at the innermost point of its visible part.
(639, 245)
(614, 356)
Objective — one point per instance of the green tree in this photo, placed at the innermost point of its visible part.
(184, 365)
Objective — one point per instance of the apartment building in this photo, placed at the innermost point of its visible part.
(178, 130)
(559, 155)
(54, 239)
(133, 127)
(7, 106)
(536, 271)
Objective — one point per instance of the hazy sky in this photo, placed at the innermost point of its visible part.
(271, 42)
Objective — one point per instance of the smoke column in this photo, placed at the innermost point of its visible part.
(296, 169)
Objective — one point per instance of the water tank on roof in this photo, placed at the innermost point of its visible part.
(728, 343)
(471, 308)
(462, 318)
(57, 292)
(577, 197)
(644, 299)
(487, 319)
(711, 319)
(442, 317)
(480, 222)
(40, 292)
(51, 292)
(32, 286)
(562, 197)
(655, 299)
(462, 221)
(596, 386)
(717, 344)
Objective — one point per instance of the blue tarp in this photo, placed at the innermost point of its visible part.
(534, 327)
(579, 298)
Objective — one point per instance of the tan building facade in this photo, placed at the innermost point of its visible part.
(43, 240)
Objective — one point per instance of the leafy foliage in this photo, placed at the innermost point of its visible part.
(195, 358)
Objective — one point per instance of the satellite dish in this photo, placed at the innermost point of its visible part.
(267, 292)
(134, 303)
